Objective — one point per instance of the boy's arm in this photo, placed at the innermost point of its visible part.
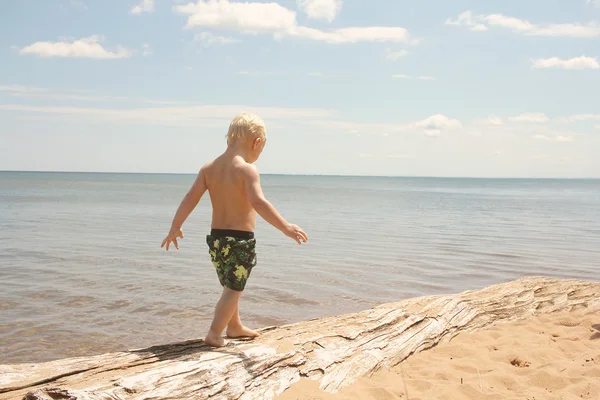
(265, 209)
(190, 201)
(187, 205)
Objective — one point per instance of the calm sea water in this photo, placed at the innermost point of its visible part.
(82, 272)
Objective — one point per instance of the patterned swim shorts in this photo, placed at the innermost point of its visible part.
(233, 254)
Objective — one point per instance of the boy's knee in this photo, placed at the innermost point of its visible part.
(231, 293)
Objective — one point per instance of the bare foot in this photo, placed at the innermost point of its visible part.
(214, 340)
(241, 332)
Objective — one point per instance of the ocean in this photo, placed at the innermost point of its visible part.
(82, 271)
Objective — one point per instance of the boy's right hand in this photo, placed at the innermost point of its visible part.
(296, 233)
(172, 237)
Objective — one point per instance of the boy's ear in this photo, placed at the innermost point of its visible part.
(256, 143)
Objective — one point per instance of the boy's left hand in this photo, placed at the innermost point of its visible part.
(172, 237)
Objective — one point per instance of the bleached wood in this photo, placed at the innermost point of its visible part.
(333, 350)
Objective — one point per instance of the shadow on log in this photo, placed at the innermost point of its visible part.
(333, 350)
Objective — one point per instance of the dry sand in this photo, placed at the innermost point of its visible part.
(555, 356)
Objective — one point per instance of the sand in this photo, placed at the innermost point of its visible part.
(555, 356)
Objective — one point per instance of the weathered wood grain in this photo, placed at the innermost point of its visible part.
(333, 350)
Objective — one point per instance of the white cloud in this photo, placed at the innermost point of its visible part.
(490, 120)
(272, 18)
(422, 77)
(144, 6)
(582, 62)
(320, 9)
(391, 156)
(192, 115)
(466, 18)
(431, 126)
(31, 92)
(395, 55)
(558, 138)
(65, 96)
(597, 126)
(434, 125)
(433, 132)
(479, 28)
(484, 22)
(254, 73)
(441, 124)
(246, 17)
(78, 3)
(147, 50)
(209, 39)
(581, 117)
(169, 115)
(88, 47)
(354, 34)
(402, 156)
(20, 89)
(563, 139)
(315, 74)
(530, 117)
(595, 3)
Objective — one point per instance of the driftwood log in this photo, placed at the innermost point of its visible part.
(333, 350)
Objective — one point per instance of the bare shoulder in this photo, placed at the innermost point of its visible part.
(247, 171)
(203, 174)
(206, 169)
(207, 166)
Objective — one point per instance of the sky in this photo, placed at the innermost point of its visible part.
(346, 87)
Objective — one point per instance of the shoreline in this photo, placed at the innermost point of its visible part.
(334, 351)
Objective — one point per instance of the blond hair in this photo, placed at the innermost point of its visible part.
(246, 126)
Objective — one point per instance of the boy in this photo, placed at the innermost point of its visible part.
(233, 184)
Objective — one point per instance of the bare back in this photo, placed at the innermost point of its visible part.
(230, 203)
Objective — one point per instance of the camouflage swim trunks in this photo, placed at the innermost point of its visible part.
(233, 254)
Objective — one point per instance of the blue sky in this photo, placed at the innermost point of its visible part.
(378, 87)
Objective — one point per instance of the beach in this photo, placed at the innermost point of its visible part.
(555, 356)
(85, 248)
(533, 338)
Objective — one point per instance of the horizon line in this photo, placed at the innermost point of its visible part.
(308, 175)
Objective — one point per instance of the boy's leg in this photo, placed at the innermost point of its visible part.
(233, 260)
(224, 311)
(235, 328)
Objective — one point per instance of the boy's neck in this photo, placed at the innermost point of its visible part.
(238, 149)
